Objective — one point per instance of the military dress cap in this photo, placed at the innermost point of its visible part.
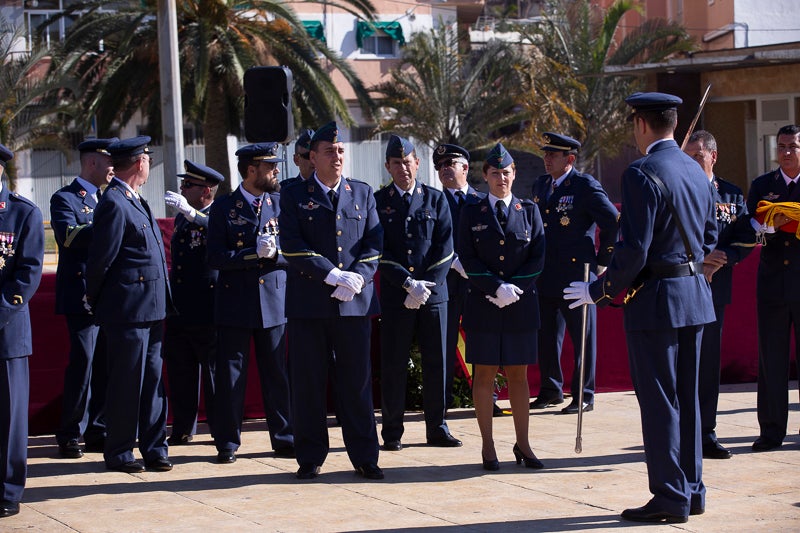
(653, 101)
(399, 147)
(97, 145)
(5, 155)
(260, 152)
(329, 132)
(201, 173)
(304, 141)
(446, 152)
(499, 157)
(129, 147)
(553, 142)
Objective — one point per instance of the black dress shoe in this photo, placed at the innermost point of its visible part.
(307, 471)
(696, 510)
(95, 446)
(392, 445)
(444, 441)
(492, 465)
(541, 402)
(715, 450)
(572, 408)
(649, 513)
(131, 467)
(161, 464)
(179, 439)
(70, 450)
(226, 457)
(8, 508)
(369, 471)
(763, 444)
(285, 452)
(530, 462)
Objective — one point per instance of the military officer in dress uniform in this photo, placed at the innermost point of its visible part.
(573, 205)
(301, 158)
(71, 215)
(452, 165)
(417, 252)
(667, 228)
(332, 239)
(243, 245)
(501, 245)
(21, 258)
(777, 291)
(127, 289)
(190, 339)
(735, 240)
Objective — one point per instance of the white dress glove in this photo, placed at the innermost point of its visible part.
(411, 303)
(178, 202)
(578, 292)
(345, 278)
(419, 289)
(343, 293)
(458, 267)
(506, 294)
(266, 247)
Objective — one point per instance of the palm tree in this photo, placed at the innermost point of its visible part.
(575, 44)
(30, 114)
(115, 55)
(439, 94)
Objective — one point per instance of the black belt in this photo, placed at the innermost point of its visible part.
(670, 271)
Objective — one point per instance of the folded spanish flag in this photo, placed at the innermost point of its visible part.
(766, 211)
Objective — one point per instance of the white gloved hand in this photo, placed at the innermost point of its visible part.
(411, 303)
(179, 202)
(419, 289)
(86, 305)
(266, 247)
(343, 293)
(506, 294)
(578, 292)
(458, 267)
(351, 280)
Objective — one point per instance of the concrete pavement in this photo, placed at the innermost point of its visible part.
(425, 488)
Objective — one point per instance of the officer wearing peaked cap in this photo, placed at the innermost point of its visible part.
(127, 287)
(417, 252)
(190, 338)
(301, 158)
(243, 243)
(21, 257)
(332, 239)
(668, 304)
(452, 166)
(71, 217)
(501, 245)
(573, 205)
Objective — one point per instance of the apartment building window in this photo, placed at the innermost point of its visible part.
(37, 12)
(379, 38)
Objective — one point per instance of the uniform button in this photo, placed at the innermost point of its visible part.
(179, 280)
(785, 261)
(502, 242)
(141, 278)
(211, 286)
(79, 274)
(339, 232)
(408, 235)
(501, 273)
(338, 217)
(341, 265)
(182, 240)
(573, 259)
(545, 224)
(261, 281)
(359, 217)
(546, 211)
(411, 269)
(179, 267)
(502, 258)
(408, 219)
(310, 218)
(608, 283)
(339, 249)
(410, 252)
(786, 243)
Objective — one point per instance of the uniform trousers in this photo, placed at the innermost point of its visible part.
(189, 352)
(398, 326)
(708, 380)
(312, 343)
(14, 392)
(664, 366)
(230, 384)
(776, 321)
(556, 317)
(457, 289)
(85, 380)
(135, 399)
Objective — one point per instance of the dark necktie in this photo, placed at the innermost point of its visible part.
(790, 188)
(257, 206)
(500, 208)
(334, 198)
(459, 197)
(99, 193)
(146, 207)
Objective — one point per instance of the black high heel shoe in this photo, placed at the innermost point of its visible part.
(530, 462)
(490, 464)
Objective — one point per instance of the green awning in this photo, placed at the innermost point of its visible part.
(315, 29)
(368, 29)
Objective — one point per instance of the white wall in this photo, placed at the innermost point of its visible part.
(768, 22)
